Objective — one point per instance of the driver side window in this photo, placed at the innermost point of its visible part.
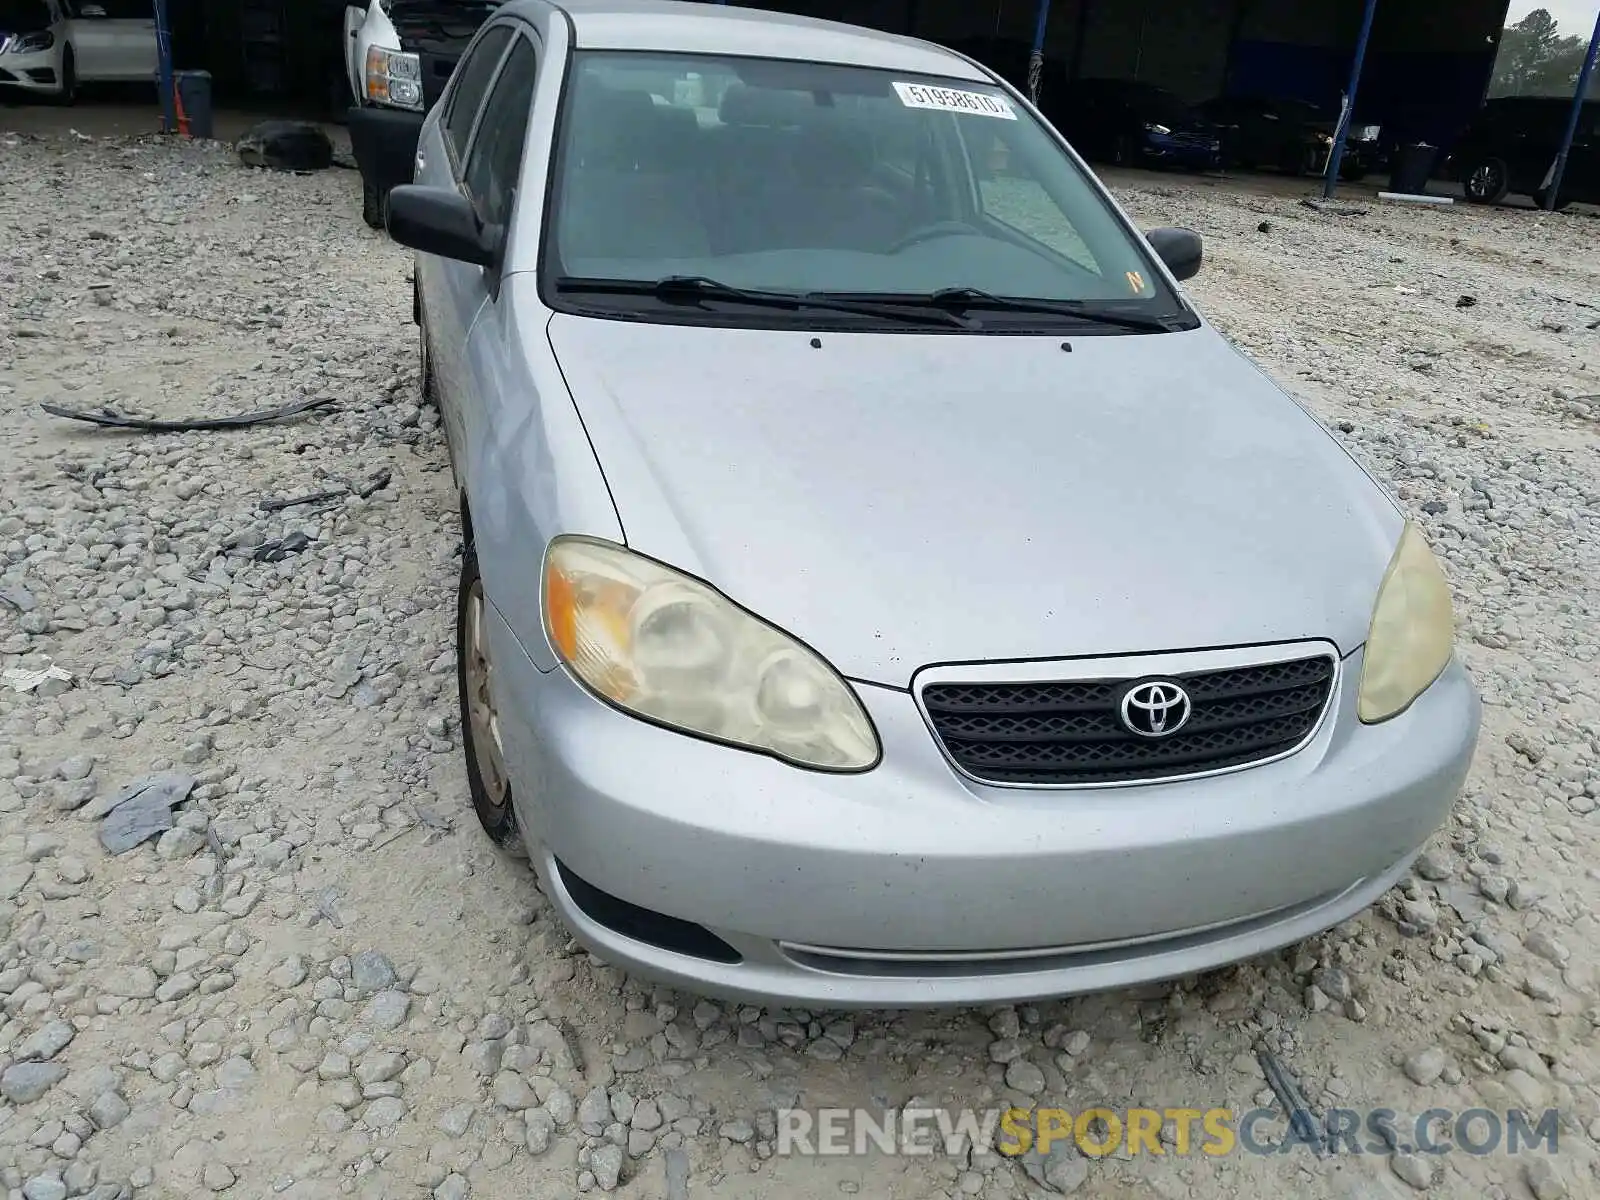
(496, 161)
(472, 80)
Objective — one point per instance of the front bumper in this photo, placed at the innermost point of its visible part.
(384, 142)
(909, 885)
(37, 71)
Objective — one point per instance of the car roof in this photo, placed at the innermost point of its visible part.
(700, 28)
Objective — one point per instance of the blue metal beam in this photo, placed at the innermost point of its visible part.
(1554, 190)
(169, 103)
(1036, 58)
(1330, 181)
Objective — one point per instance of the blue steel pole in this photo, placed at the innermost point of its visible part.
(169, 118)
(1554, 190)
(1330, 181)
(1036, 58)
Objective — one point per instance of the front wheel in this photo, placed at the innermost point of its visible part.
(1486, 181)
(68, 94)
(374, 204)
(487, 778)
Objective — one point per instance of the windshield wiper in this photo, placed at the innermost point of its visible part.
(965, 299)
(699, 287)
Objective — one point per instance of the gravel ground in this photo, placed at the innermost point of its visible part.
(322, 980)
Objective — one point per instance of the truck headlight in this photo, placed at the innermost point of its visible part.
(1412, 634)
(394, 78)
(664, 646)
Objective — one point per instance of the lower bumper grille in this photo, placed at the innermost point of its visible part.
(1064, 733)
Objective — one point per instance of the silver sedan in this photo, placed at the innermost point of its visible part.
(880, 586)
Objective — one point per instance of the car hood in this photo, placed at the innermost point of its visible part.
(897, 500)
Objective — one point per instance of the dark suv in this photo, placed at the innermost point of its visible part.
(1511, 146)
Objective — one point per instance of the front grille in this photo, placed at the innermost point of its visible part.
(1071, 732)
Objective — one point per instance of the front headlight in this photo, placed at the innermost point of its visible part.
(666, 647)
(1412, 632)
(1153, 127)
(394, 78)
(32, 43)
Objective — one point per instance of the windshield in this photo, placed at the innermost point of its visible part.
(823, 179)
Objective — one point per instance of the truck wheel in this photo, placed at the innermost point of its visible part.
(373, 205)
(1486, 181)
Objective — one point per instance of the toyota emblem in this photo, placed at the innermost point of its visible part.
(1155, 709)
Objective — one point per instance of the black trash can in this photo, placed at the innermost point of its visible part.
(1413, 167)
(192, 92)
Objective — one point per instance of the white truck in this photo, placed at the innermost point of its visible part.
(399, 55)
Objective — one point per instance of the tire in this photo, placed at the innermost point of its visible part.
(486, 770)
(1486, 181)
(68, 95)
(374, 205)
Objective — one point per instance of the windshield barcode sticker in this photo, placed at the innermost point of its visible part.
(920, 95)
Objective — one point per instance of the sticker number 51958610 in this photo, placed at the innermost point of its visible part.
(921, 95)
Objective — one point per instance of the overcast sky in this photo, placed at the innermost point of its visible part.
(1574, 17)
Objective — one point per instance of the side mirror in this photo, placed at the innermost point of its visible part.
(1180, 249)
(440, 221)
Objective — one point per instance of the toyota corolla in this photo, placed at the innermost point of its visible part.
(880, 586)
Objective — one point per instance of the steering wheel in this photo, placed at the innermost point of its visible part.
(931, 232)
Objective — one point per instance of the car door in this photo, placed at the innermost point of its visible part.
(494, 165)
(453, 292)
(122, 40)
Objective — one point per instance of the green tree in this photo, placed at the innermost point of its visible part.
(1536, 60)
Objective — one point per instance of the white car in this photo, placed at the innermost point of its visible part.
(49, 47)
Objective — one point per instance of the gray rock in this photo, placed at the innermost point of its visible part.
(380, 1066)
(77, 767)
(217, 1176)
(1543, 1180)
(46, 1042)
(1424, 1067)
(594, 1113)
(560, 1107)
(739, 1131)
(108, 1110)
(1433, 865)
(1414, 1169)
(646, 1116)
(45, 1187)
(453, 1187)
(606, 1163)
(541, 1127)
(371, 972)
(132, 824)
(1333, 982)
(172, 788)
(511, 1091)
(385, 1112)
(180, 843)
(454, 1122)
(26, 1082)
(388, 1010)
(1025, 1077)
